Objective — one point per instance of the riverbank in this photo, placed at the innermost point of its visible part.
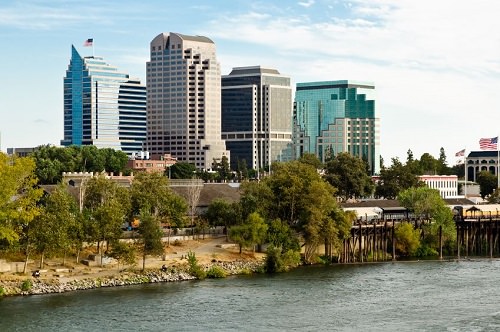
(214, 252)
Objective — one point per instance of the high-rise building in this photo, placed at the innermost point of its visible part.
(337, 116)
(103, 106)
(184, 100)
(257, 116)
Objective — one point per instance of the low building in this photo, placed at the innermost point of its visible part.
(447, 185)
(157, 163)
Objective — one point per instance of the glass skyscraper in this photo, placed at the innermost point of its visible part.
(103, 106)
(184, 100)
(257, 116)
(337, 116)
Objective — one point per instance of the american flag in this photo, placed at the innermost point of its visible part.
(460, 153)
(89, 42)
(488, 143)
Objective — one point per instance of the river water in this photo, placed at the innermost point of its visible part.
(405, 296)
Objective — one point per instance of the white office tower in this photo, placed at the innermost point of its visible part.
(184, 100)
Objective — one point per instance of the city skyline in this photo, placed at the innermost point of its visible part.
(435, 64)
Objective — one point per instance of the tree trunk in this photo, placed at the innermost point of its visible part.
(78, 255)
(26, 261)
(41, 260)
(441, 242)
(143, 262)
(64, 258)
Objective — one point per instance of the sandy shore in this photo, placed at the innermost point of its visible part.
(56, 278)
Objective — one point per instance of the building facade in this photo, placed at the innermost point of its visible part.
(478, 161)
(447, 185)
(184, 100)
(337, 116)
(103, 106)
(257, 116)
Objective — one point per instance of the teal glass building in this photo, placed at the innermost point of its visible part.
(103, 106)
(337, 116)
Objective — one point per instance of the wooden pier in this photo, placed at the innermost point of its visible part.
(375, 242)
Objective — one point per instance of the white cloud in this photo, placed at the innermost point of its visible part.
(306, 4)
(435, 63)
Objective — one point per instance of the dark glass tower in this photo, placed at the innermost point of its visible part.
(257, 116)
(103, 106)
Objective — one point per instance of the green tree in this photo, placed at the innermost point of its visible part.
(182, 170)
(427, 202)
(487, 183)
(252, 232)
(429, 165)
(108, 207)
(123, 253)
(242, 171)
(348, 174)
(19, 197)
(223, 169)
(151, 191)
(311, 159)
(50, 231)
(151, 236)
(395, 179)
(407, 239)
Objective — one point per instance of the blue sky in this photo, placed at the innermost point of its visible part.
(435, 63)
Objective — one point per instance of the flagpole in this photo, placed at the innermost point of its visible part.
(465, 171)
(498, 164)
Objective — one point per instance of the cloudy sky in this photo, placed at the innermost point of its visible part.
(435, 63)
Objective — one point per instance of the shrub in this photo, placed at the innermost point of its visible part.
(216, 271)
(194, 268)
(26, 285)
(407, 239)
(276, 261)
(2, 291)
(425, 251)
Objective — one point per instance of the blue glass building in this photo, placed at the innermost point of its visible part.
(337, 116)
(103, 106)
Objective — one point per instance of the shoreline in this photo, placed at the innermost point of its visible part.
(40, 286)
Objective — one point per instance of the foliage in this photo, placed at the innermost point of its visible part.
(349, 175)
(395, 179)
(18, 196)
(222, 169)
(281, 236)
(425, 251)
(151, 234)
(49, 232)
(279, 261)
(242, 172)
(216, 271)
(51, 161)
(2, 291)
(123, 252)
(27, 285)
(311, 159)
(151, 191)
(219, 213)
(487, 183)
(407, 239)
(427, 202)
(182, 170)
(252, 232)
(107, 207)
(194, 268)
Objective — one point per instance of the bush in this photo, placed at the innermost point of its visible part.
(26, 285)
(276, 261)
(216, 272)
(425, 251)
(194, 268)
(407, 239)
(2, 291)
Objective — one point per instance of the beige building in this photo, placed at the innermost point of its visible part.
(184, 100)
